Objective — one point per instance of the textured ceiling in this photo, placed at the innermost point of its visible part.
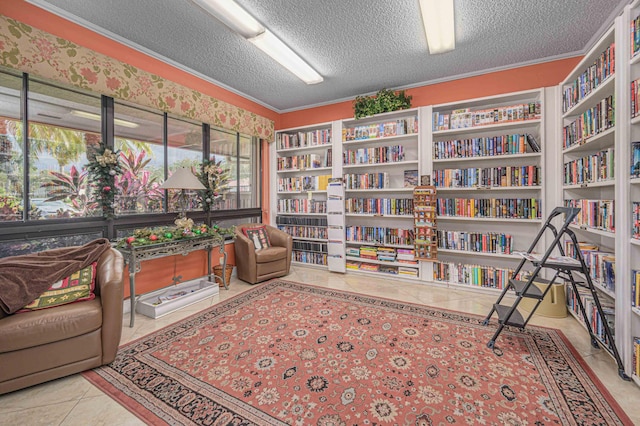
(359, 46)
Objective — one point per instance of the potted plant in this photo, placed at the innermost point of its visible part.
(383, 101)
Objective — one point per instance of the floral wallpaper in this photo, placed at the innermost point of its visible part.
(30, 50)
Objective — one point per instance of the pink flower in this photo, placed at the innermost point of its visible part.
(89, 75)
(233, 121)
(185, 106)
(113, 83)
(170, 101)
(223, 118)
(106, 189)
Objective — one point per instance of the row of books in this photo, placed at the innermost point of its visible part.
(310, 246)
(635, 99)
(485, 147)
(636, 356)
(483, 242)
(635, 159)
(309, 257)
(379, 235)
(635, 220)
(306, 161)
(590, 308)
(595, 120)
(303, 183)
(635, 288)
(303, 139)
(487, 177)
(514, 208)
(301, 206)
(601, 264)
(366, 180)
(382, 154)
(379, 206)
(472, 275)
(301, 220)
(384, 254)
(592, 77)
(590, 168)
(464, 118)
(402, 126)
(318, 232)
(595, 214)
(354, 265)
(635, 35)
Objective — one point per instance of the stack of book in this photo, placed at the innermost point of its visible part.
(386, 254)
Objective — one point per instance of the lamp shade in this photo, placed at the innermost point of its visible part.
(182, 178)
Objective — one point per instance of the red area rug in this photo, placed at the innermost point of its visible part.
(289, 353)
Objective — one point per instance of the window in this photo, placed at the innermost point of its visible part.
(249, 166)
(11, 165)
(184, 150)
(222, 152)
(63, 126)
(139, 138)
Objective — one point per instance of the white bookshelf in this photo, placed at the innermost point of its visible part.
(301, 164)
(484, 150)
(614, 138)
(361, 138)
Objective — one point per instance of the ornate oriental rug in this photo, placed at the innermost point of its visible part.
(289, 353)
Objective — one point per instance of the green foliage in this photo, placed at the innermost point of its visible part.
(10, 208)
(216, 179)
(383, 101)
(103, 169)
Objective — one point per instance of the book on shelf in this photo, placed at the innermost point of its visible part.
(410, 178)
(533, 143)
(635, 159)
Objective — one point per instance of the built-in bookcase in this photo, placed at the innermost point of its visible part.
(595, 118)
(488, 168)
(302, 164)
(381, 166)
(629, 198)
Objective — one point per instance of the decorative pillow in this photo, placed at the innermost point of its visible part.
(259, 236)
(75, 288)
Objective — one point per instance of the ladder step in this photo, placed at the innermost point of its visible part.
(533, 292)
(516, 319)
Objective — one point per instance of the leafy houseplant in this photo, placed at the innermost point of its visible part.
(383, 101)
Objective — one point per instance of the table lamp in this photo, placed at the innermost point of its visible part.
(182, 179)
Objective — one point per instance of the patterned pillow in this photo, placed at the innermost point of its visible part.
(259, 236)
(75, 288)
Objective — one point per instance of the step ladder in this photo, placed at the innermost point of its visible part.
(563, 267)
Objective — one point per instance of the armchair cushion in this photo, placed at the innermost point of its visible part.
(258, 235)
(75, 288)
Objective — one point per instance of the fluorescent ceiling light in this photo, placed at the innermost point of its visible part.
(274, 47)
(437, 18)
(97, 117)
(240, 21)
(233, 16)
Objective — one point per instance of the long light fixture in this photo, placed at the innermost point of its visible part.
(439, 25)
(233, 16)
(239, 20)
(274, 47)
(97, 117)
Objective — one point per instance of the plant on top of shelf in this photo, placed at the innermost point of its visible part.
(384, 101)
(183, 229)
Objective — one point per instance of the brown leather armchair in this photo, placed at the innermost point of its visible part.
(46, 344)
(255, 266)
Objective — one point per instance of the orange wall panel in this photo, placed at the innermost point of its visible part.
(512, 80)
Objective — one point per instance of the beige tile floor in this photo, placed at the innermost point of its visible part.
(75, 401)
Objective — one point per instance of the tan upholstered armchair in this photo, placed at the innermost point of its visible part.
(254, 265)
(50, 343)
